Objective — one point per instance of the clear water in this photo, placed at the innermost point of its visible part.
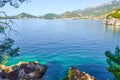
(64, 43)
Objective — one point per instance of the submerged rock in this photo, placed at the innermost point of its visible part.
(22, 71)
(75, 74)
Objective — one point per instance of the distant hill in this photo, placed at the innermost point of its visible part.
(71, 15)
(26, 16)
(100, 10)
(23, 16)
(97, 12)
(49, 16)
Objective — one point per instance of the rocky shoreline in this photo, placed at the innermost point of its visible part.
(35, 71)
(23, 71)
(112, 21)
(75, 74)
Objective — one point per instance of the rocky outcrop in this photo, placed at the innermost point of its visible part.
(75, 74)
(22, 71)
(112, 21)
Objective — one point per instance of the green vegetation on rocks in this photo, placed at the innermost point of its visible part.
(114, 14)
(75, 74)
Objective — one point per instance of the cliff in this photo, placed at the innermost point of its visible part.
(113, 18)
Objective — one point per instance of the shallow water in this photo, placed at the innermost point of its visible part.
(64, 43)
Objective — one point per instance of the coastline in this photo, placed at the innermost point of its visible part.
(112, 21)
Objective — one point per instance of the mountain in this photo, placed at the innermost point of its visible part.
(100, 10)
(71, 15)
(97, 12)
(49, 16)
(23, 16)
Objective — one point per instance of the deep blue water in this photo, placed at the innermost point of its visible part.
(64, 43)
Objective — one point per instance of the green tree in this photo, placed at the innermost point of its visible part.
(14, 3)
(6, 43)
(114, 14)
(113, 60)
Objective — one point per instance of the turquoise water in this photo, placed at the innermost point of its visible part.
(64, 43)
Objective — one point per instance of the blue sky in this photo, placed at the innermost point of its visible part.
(41, 7)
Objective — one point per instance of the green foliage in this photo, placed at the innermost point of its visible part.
(113, 60)
(2, 29)
(7, 50)
(6, 43)
(71, 75)
(115, 14)
(14, 3)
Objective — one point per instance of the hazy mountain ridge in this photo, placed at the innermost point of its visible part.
(97, 12)
(100, 10)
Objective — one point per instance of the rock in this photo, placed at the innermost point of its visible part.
(12, 75)
(2, 75)
(31, 65)
(21, 74)
(22, 71)
(6, 69)
(112, 21)
(3, 79)
(75, 74)
(14, 68)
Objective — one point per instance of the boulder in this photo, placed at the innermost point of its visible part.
(75, 74)
(22, 71)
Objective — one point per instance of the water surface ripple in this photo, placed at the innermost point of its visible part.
(61, 44)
